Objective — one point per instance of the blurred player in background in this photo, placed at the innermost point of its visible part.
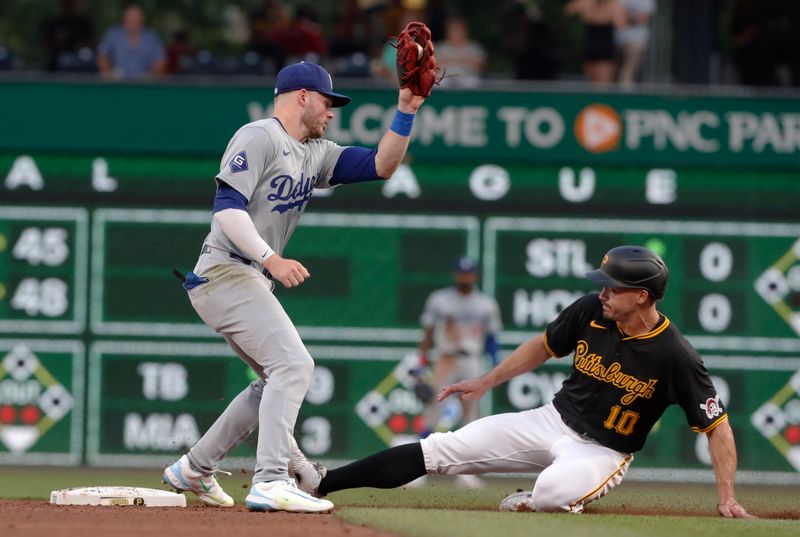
(460, 324)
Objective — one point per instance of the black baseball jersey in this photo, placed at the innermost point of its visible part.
(620, 385)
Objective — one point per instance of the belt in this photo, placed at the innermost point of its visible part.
(218, 253)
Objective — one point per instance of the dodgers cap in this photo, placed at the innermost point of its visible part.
(465, 264)
(309, 76)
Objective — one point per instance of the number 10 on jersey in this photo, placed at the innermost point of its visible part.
(622, 421)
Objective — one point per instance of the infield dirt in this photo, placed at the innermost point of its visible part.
(36, 518)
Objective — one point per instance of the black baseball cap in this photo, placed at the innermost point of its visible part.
(633, 267)
(309, 76)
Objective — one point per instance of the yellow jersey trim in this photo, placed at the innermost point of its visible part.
(652, 333)
(712, 426)
(547, 347)
(621, 466)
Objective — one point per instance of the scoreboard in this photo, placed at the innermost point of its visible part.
(103, 361)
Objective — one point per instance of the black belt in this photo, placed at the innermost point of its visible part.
(236, 257)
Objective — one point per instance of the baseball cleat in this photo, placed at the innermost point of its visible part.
(284, 496)
(519, 502)
(182, 477)
(308, 474)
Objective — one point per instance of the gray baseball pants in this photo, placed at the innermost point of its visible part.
(238, 303)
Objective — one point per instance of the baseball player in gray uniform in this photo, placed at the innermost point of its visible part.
(267, 175)
(460, 324)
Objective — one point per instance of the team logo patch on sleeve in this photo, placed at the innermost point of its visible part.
(239, 162)
(713, 407)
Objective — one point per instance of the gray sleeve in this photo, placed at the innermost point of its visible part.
(246, 158)
(331, 152)
(428, 317)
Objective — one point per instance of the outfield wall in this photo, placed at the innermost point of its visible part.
(106, 187)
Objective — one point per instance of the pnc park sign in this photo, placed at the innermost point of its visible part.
(499, 127)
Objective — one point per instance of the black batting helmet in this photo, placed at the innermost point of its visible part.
(633, 267)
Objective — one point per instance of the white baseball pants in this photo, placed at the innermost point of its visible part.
(238, 303)
(574, 470)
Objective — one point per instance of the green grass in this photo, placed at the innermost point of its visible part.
(446, 523)
(439, 508)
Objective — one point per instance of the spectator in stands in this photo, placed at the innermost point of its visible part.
(67, 33)
(384, 57)
(461, 59)
(180, 52)
(302, 38)
(531, 44)
(752, 50)
(131, 50)
(351, 30)
(600, 19)
(263, 28)
(633, 38)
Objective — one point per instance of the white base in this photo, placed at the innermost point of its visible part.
(108, 496)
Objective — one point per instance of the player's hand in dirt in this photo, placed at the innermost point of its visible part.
(470, 390)
(731, 509)
(289, 272)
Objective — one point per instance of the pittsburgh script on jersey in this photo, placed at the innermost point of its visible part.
(589, 364)
(287, 188)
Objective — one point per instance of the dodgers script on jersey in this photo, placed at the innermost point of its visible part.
(620, 385)
(460, 322)
(277, 174)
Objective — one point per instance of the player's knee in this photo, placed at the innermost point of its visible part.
(551, 495)
(303, 365)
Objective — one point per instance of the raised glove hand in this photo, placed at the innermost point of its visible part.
(416, 64)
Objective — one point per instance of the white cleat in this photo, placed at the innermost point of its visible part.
(284, 496)
(308, 474)
(182, 477)
(519, 502)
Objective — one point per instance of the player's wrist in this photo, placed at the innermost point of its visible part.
(267, 253)
(402, 122)
(269, 260)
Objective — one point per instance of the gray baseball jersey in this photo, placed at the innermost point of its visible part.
(277, 174)
(461, 322)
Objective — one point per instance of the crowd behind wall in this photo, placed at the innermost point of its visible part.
(750, 42)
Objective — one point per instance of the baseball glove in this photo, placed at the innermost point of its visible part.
(416, 64)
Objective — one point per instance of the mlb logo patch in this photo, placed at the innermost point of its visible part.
(239, 162)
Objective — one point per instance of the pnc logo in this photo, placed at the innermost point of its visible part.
(598, 128)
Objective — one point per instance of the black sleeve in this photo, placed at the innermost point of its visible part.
(561, 335)
(695, 392)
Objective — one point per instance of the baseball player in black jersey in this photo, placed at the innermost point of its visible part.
(630, 364)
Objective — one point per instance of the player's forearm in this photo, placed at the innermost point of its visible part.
(394, 144)
(526, 357)
(239, 228)
(426, 343)
(391, 150)
(722, 448)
